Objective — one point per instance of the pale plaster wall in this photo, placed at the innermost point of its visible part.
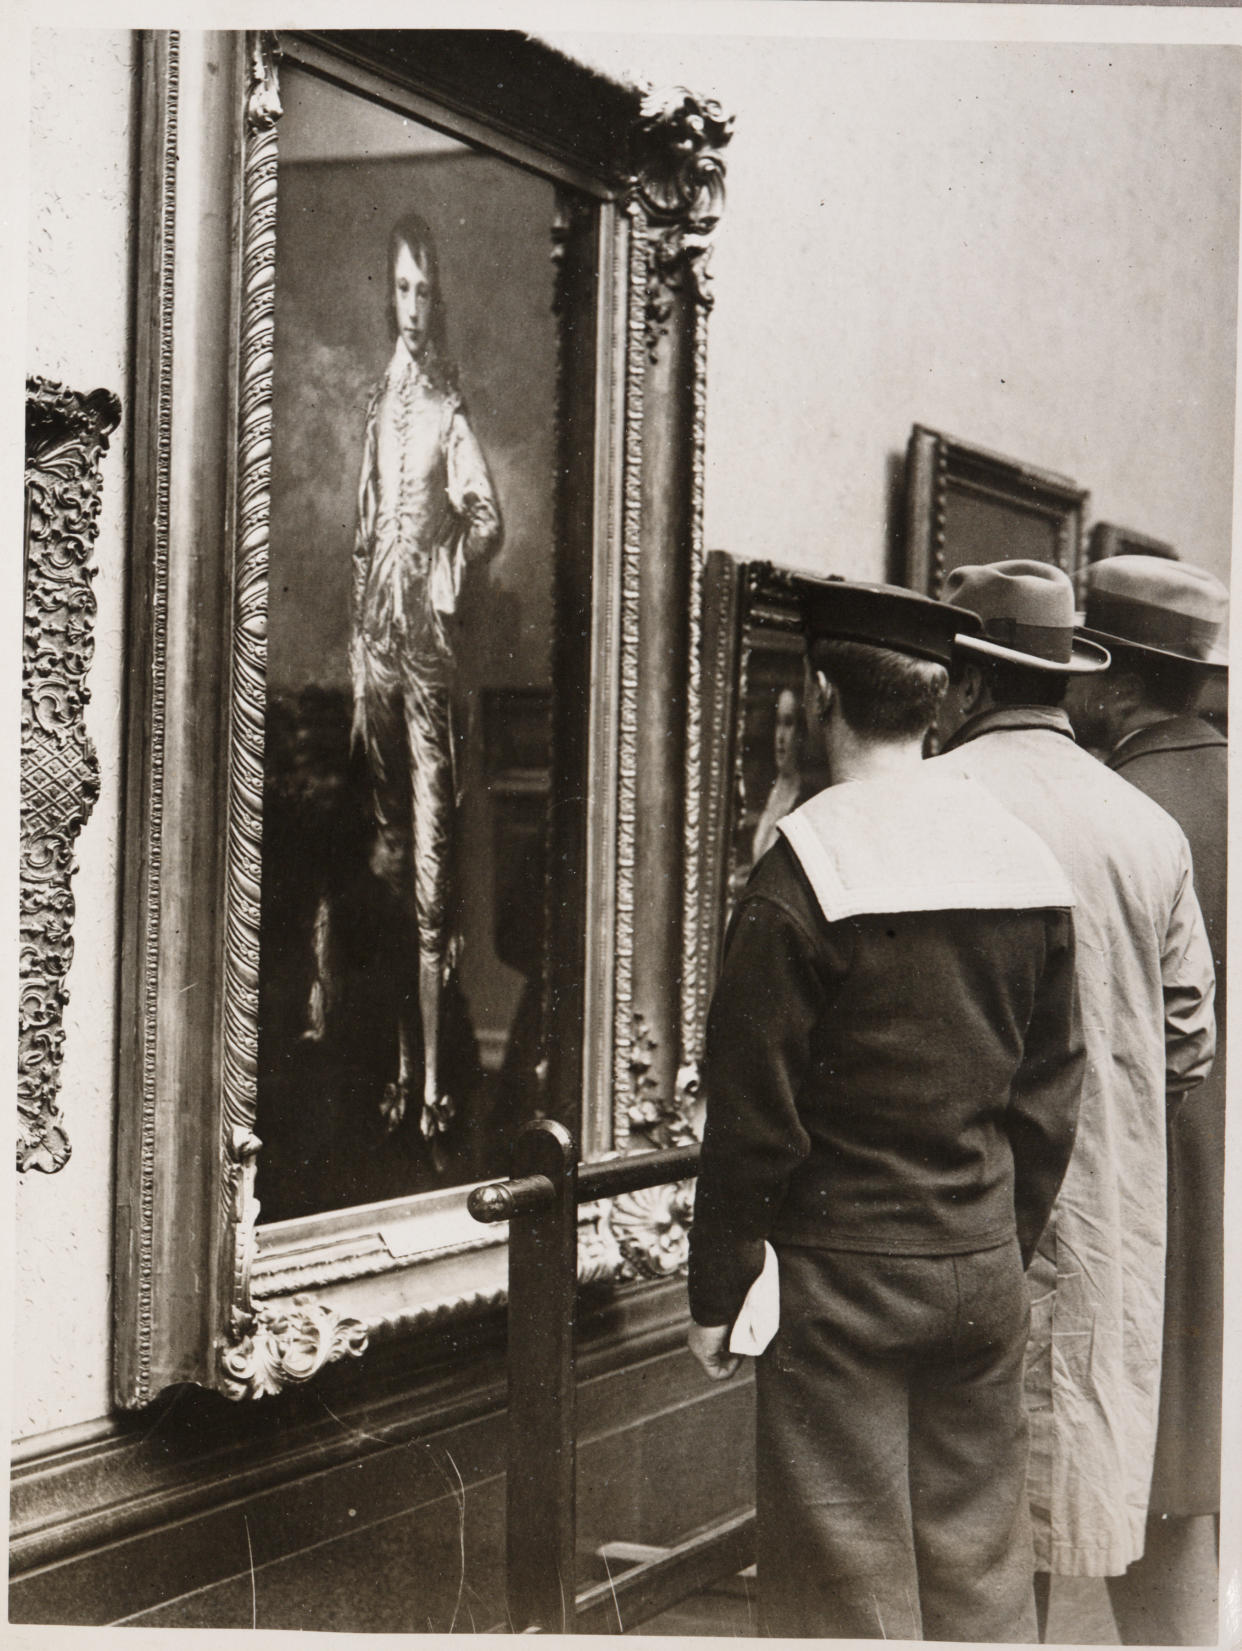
(1033, 247)
(1030, 247)
(78, 332)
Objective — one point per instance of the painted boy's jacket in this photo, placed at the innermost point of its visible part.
(427, 509)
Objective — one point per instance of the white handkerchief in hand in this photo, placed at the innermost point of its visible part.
(756, 1324)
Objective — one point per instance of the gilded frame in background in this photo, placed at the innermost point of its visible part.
(967, 504)
(1108, 539)
(205, 1291)
(754, 648)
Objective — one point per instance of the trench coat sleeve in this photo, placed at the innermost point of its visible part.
(1043, 1103)
(767, 1003)
(1189, 991)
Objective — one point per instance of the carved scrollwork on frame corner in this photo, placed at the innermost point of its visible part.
(679, 169)
(279, 1346)
(599, 1256)
(637, 1237)
(650, 1117)
(644, 1110)
(66, 437)
(688, 1101)
(679, 181)
(645, 1235)
(241, 1160)
(285, 1346)
(652, 1229)
(263, 108)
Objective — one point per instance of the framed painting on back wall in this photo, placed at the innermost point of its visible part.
(407, 840)
(966, 504)
(762, 761)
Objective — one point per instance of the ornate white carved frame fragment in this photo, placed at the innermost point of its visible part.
(205, 1292)
(66, 438)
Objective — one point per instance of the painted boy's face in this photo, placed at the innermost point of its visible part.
(411, 296)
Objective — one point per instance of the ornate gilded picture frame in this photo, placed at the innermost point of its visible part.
(415, 735)
(966, 504)
(761, 762)
(1108, 539)
(66, 438)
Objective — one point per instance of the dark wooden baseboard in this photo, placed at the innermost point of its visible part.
(289, 1512)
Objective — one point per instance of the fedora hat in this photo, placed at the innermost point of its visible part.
(885, 616)
(1169, 610)
(1026, 610)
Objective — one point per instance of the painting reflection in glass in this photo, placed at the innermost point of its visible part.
(409, 689)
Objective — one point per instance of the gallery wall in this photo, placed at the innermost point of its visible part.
(1029, 247)
(78, 332)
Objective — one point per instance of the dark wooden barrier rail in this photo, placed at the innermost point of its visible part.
(541, 1203)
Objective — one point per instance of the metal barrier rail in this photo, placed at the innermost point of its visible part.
(541, 1202)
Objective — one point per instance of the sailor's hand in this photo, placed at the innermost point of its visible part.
(710, 1345)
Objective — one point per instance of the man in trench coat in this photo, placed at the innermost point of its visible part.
(1161, 621)
(892, 1069)
(1146, 987)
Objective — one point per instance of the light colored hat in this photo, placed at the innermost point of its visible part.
(1027, 611)
(1170, 610)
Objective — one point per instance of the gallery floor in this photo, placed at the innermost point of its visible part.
(1079, 1614)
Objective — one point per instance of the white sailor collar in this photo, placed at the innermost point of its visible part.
(927, 841)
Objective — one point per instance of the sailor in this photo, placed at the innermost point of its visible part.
(892, 1069)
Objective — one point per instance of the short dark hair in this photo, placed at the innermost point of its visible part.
(1012, 684)
(885, 694)
(1169, 685)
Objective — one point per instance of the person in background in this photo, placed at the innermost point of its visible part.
(1161, 620)
(1145, 982)
(892, 1068)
